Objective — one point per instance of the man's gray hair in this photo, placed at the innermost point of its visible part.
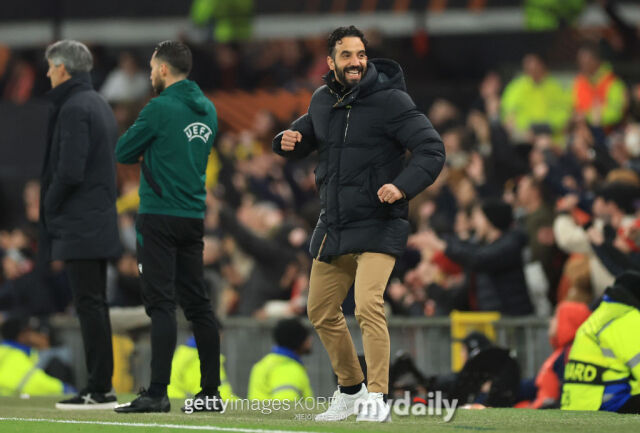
(74, 55)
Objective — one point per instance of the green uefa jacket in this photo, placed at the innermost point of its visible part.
(174, 134)
(279, 376)
(604, 363)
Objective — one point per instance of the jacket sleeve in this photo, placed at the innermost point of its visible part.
(497, 256)
(623, 339)
(308, 144)
(570, 237)
(614, 260)
(614, 106)
(261, 249)
(72, 160)
(138, 137)
(410, 128)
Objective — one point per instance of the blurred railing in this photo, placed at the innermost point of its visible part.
(245, 341)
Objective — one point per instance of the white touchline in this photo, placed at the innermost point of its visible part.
(170, 426)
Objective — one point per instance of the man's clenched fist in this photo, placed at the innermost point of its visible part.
(289, 140)
(389, 193)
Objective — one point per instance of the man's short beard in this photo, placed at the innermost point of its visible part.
(341, 76)
(158, 87)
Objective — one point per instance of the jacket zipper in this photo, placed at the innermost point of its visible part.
(346, 127)
(321, 246)
(339, 98)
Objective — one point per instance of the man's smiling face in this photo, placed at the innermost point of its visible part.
(349, 61)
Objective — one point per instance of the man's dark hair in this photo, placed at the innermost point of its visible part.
(12, 327)
(592, 48)
(342, 32)
(290, 333)
(176, 54)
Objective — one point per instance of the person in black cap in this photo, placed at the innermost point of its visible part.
(492, 261)
(281, 375)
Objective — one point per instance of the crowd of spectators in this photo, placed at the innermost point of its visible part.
(538, 202)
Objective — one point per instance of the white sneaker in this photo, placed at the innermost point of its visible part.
(373, 409)
(342, 405)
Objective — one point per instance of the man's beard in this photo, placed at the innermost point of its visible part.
(341, 75)
(158, 86)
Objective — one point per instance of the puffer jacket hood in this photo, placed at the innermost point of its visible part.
(381, 74)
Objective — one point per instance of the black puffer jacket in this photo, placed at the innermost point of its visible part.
(78, 185)
(361, 138)
(496, 270)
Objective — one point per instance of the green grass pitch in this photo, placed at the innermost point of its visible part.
(37, 414)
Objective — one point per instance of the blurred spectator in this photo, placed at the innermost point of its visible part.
(537, 220)
(19, 371)
(126, 83)
(551, 14)
(275, 263)
(230, 20)
(280, 375)
(492, 262)
(535, 99)
(27, 286)
(614, 244)
(598, 94)
(185, 373)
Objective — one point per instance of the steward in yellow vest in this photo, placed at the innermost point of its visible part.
(603, 371)
(280, 375)
(19, 371)
(185, 373)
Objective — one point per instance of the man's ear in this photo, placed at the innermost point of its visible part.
(331, 63)
(64, 71)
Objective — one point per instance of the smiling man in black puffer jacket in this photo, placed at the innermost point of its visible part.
(361, 123)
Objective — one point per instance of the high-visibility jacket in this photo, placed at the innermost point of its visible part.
(545, 15)
(529, 103)
(19, 373)
(604, 89)
(185, 374)
(280, 375)
(604, 364)
(231, 19)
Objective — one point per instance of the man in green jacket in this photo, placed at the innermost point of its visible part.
(603, 372)
(173, 136)
(280, 375)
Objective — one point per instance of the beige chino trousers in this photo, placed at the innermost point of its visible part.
(328, 286)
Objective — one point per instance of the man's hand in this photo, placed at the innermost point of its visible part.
(389, 193)
(595, 236)
(289, 140)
